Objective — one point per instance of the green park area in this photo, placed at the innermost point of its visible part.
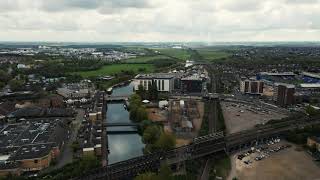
(117, 68)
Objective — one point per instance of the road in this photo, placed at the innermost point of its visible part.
(66, 155)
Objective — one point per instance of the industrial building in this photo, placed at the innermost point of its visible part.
(251, 87)
(284, 94)
(31, 145)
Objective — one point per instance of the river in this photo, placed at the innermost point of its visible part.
(122, 146)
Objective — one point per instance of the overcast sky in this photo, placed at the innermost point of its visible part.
(159, 20)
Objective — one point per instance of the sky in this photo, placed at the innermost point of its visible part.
(159, 20)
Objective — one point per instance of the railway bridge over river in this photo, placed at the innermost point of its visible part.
(211, 144)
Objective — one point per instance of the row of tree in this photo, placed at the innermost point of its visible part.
(150, 94)
(138, 111)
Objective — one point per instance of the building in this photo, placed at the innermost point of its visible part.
(314, 141)
(76, 90)
(284, 94)
(33, 157)
(9, 168)
(163, 81)
(192, 84)
(251, 87)
(310, 77)
(31, 145)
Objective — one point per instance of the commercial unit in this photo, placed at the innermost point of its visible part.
(284, 94)
(251, 87)
(163, 81)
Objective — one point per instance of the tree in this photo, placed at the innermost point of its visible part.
(166, 141)
(4, 77)
(16, 85)
(75, 146)
(2, 84)
(141, 91)
(312, 111)
(151, 134)
(153, 91)
(141, 114)
(165, 172)
(146, 176)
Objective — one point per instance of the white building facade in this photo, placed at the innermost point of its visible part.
(164, 82)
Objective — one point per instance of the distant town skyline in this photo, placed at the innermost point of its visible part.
(159, 20)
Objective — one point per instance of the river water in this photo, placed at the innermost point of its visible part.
(122, 146)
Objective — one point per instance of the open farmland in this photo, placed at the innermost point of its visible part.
(146, 59)
(181, 54)
(117, 68)
(212, 54)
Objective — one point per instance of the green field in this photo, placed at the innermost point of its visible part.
(116, 68)
(145, 59)
(182, 54)
(212, 54)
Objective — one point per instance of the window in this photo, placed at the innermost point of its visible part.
(36, 161)
(158, 85)
(162, 85)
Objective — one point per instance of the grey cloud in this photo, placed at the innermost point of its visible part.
(100, 5)
(302, 1)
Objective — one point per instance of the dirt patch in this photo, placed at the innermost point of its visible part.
(157, 115)
(287, 164)
(197, 121)
(182, 142)
(239, 117)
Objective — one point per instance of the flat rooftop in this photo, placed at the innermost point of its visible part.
(32, 151)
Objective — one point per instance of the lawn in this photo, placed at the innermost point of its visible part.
(212, 54)
(145, 59)
(117, 68)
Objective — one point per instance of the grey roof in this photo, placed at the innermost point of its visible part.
(32, 151)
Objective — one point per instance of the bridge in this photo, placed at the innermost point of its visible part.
(109, 98)
(121, 124)
(206, 145)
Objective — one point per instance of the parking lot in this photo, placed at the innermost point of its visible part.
(276, 160)
(239, 117)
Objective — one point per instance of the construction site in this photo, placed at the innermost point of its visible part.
(185, 117)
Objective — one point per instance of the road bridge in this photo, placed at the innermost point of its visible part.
(200, 147)
(109, 98)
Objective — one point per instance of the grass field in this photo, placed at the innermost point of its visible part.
(212, 54)
(182, 54)
(116, 68)
(145, 59)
